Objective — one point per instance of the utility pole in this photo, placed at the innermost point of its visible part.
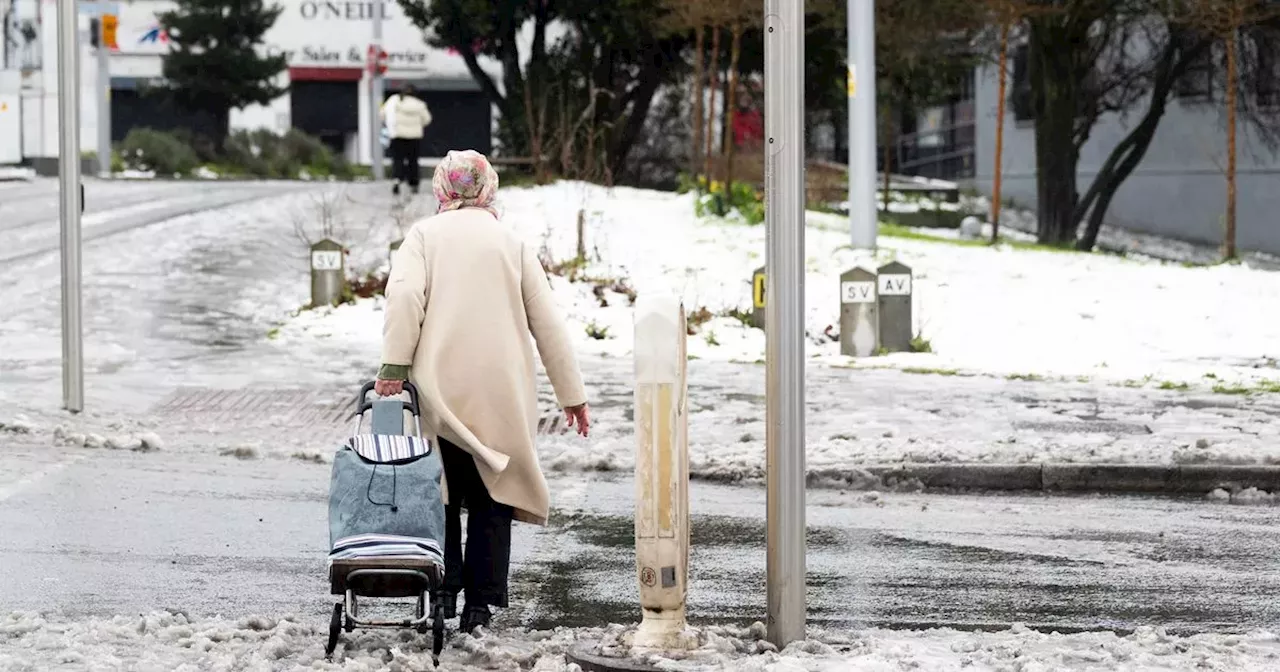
(70, 203)
(784, 318)
(375, 93)
(863, 221)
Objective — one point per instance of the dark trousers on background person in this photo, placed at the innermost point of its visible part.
(482, 574)
(404, 160)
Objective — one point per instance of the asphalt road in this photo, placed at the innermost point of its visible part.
(105, 532)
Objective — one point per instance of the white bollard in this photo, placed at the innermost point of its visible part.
(662, 472)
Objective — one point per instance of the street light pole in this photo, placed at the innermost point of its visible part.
(375, 94)
(784, 318)
(70, 203)
(104, 97)
(863, 225)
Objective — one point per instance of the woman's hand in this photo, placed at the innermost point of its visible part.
(578, 416)
(388, 388)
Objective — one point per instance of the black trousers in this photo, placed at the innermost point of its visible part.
(482, 574)
(404, 160)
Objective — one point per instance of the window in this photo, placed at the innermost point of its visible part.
(1020, 91)
(1196, 84)
(1266, 84)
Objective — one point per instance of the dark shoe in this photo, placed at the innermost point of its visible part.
(449, 601)
(474, 617)
(395, 189)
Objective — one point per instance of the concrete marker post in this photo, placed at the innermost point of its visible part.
(328, 273)
(859, 317)
(662, 472)
(894, 289)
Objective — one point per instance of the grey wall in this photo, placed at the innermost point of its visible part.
(1178, 190)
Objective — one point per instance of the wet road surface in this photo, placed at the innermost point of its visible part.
(106, 532)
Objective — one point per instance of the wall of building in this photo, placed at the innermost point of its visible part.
(1178, 190)
(320, 38)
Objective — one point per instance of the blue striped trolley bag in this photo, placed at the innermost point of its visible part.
(386, 520)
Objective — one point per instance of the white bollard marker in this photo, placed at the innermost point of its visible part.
(662, 472)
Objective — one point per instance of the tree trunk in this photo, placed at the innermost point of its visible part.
(699, 82)
(731, 106)
(1003, 77)
(711, 104)
(1126, 155)
(1055, 104)
(1229, 235)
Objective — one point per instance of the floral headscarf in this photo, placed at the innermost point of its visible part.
(465, 180)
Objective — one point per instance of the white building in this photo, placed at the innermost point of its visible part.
(1178, 190)
(326, 43)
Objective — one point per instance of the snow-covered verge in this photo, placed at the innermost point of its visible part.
(1003, 311)
(172, 642)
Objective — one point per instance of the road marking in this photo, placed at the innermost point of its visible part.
(7, 491)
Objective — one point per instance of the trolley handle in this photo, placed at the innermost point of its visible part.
(363, 404)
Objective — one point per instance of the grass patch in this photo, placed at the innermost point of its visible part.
(1172, 386)
(1026, 377)
(1259, 387)
(597, 332)
(892, 230)
(925, 371)
(920, 344)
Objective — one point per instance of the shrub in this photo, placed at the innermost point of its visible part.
(164, 153)
(741, 197)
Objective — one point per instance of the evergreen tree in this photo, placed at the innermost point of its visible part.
(215, 63)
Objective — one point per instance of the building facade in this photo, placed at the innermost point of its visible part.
(326, 43)
(1179, 188)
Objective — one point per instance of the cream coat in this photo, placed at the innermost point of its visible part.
(463, 298)
(406, 116)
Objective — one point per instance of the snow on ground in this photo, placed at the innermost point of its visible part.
(171, 642)
(1003, 311)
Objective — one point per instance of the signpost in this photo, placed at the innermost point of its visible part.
(107, 25)
(328, 273)
(784, 333)
(894, 290)
(69, 204)
(859, 319)
(376, 93)
(662, 472)
(863, 223)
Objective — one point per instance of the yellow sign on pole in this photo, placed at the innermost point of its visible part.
(851, 82)
(110, 22)
(758, 290)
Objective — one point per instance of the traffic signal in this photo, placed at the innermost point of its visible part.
(109, 24)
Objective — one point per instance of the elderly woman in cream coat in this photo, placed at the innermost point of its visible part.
(465, 294)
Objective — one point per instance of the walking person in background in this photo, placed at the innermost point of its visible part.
(406, 117)
(464, 296)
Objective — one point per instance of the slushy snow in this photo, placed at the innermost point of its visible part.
(171, 642)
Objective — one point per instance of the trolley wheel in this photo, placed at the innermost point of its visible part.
(335, 629)
(437, 633)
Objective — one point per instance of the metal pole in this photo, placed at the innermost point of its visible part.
(863, 224)
(69, 203)
(784, 317)
(375, 95)
(104, 100)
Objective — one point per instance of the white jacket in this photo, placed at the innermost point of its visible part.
(406, 116)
